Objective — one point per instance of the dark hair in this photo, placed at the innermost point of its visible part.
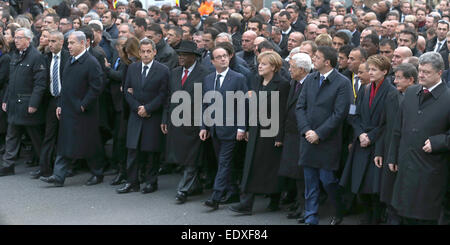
(329, 53)
(220, 26)
(256, 20)
(140, 22)
(285, 13)
(213, 31)
(114, 14)
(210, 20)
(178, 30)
(191, 29)
(294, 7)
(55, 17)
(227, 46)
(137, 4)
(373, 39)
(95, 27)
(346, 49)
(154, 9)
(411, 32)
(218, 46)
(266, 45)
(233, 22)
(156, 28)
(353, 17)
(386, 41)
(408, 70)
(343, 36)
(362, 52)
(87, 32)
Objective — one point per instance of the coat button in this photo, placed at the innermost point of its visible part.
(419, 112)
(19, 101)
(415, 130)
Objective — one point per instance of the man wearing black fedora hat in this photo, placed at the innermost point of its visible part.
(183, 144)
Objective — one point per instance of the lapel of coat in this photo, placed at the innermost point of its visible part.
(291, 93)
(226, 82)
(190, 78)
(379, 95)
(149, 74)
(435, 94)
(177, 79)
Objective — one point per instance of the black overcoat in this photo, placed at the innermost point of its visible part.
(5, 59)
(183, 143)
(262, 158)
(422, 177)
(360, 172)
(145, 133)
(78, 135)
(26, 88)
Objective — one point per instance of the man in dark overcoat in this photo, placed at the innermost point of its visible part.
(23, 99)
(183, 143)
(322, 108)
(77, 111)
(420, 148)
(146, 92)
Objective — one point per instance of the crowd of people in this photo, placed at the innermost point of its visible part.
(361, 99)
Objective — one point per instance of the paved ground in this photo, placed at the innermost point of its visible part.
(32, 202)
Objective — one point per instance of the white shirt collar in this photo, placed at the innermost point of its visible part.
(431, 89)
(78, 56)
(58, 54)
(224, 73)
(327, 74)
(303, 80)
(286, 32)
(149, 65)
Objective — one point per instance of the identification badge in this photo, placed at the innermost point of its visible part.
(352, 110)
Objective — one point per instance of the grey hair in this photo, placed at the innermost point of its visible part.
(79, 35)
(26, 32)
(92, 15)
(176, 11)
(279, 4)
(265, 11)
(294, 51)
(146, 41)
(130, 27)
(104, 4)
(58, 34)
(353, 17)
(303, 61)
(408, 70)
(434, 59)
(125, 15)
(227, 35)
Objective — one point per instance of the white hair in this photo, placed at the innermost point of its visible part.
(79, 35)
(92, 15)
(303, 61)
(176, 11)
(265, 11)
(26, 32)
(96, 22)
(227, 35)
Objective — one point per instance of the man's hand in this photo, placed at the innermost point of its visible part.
(204, 134)
(312, 137)
(427, 147)
(364, 140)
(246, 136)
(378, 161)
(107, 64)
(130, 90)
(58, 112)
(240, 136)
(31, 110)
(142, 112)
(278, 144)
(164, 128)
(393, 167)
(82, 108)
(4, 107)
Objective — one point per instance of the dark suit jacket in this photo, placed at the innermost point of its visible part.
(152, 94)
(65, 57)
(323, 110)
(431, 44)
(355, 38)
(166, 55)
(300, 25)
(116, 76)
(78, 135)
(233, 82)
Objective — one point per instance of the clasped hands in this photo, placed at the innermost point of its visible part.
(312, 137)
(142, 112)
(364, 140)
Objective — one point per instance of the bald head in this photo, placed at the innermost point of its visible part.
(247, 41)
(311, 32)
(339, 22)
(400, 54)
(421, 43)
(257, 41)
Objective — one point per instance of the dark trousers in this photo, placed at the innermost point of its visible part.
(410, 221)
(189, 180)
(48, 150)
(13, 140)
(150, 162)
(63, 163)
(313, 177)
(222, 182)
(248, 199)
(119, 154)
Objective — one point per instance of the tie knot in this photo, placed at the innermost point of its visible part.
(72, 60)
(55, 57)
(426, 91)
(186, 72)
(145, 68)
(322, 78)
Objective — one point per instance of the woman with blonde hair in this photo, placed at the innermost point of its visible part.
(43, 42)
(360, 174)
(263, 153)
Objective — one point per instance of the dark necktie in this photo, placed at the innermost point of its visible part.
(55, 83)
(218, 81)
(144, 75)
(425, 95)
(72, 60)
(321, 80)
(298, 86)
(183, 80)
